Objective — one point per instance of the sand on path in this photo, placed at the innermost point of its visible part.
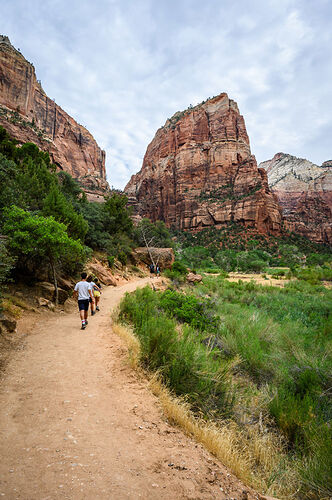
(78, 423)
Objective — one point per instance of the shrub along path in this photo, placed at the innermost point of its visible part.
(77, 422)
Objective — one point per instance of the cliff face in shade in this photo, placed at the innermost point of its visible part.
(29, 115)
(198, 171)
(304, 191)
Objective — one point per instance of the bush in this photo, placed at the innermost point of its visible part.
(110, 260)
(188, 309)
(185, 364)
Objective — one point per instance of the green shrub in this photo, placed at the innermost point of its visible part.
(122, 258)
(186, 365)
(188, 309)
(110, 260)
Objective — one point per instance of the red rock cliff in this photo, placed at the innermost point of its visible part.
(304, 191)
(29, 115)
(198, 171)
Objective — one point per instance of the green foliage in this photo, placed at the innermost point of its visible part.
(186, 365)
(314, 274)
(156, 234)
(55, 204)
(188, 309)
(29, 182)
(117, 216)
(177, 273)
(283, 337)
(111, 260)
(70, 188)
(6, 264)
(33, 235)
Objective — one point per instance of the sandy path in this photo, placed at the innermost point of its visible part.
(76, 422)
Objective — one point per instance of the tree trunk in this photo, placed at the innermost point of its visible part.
(55, 282)
(147, 244)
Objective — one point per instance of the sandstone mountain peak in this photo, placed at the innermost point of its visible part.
(304, 191)
(29, 115)
(198, 171)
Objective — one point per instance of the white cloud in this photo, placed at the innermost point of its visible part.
(122, 67)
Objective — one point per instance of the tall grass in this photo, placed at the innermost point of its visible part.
(184, 363)
(260, 356)
(284, 339)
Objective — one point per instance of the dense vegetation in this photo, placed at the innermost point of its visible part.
(47, 217)
(236, 248)
(268, 351)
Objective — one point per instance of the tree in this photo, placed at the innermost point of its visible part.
(41, 237)
(56, 205)
(151, 235)
(117, 216)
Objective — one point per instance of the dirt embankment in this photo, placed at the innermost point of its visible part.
(78, 423)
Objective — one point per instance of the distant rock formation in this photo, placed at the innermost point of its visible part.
(304, 191)
(29, 115)
(198, 171)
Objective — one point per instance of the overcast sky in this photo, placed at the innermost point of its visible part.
(122, 67)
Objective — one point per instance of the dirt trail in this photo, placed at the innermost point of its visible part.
(77, 423)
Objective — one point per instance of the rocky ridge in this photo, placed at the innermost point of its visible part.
(304, 191)
(29, 115)
(198, 171)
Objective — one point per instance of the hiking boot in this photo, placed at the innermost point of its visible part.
(83, 326)
(86, 322)
(93, 313)
(97, 308)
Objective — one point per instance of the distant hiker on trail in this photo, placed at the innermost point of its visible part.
(151, 270)
(97, 292)
(83, 294)
(92, 284)
(157, 271)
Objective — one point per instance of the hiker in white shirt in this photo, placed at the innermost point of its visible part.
(84, 295)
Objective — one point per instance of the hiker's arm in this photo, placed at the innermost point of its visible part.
(75, 294)
(91, 295)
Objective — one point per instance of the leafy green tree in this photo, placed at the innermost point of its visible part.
(117, 218)
(8, 173)
(71, 189)
(42, 237)
(55, 204)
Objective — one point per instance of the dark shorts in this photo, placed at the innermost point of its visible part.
(83, 305)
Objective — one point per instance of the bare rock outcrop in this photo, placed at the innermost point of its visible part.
(198, 171)
(304, 191)
(163, 256)
(29, 115)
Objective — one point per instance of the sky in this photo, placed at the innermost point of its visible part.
(122, 67)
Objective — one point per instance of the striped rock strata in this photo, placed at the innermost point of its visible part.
(29, 115)
(304, 191)
(198, 171)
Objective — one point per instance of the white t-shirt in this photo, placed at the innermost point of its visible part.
(82, 287)
(92, 285)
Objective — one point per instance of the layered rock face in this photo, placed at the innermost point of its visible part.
(304, 191)
(198, 171)
(29, 115)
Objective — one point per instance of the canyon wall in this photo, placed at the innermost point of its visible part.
(304, 191)
(198, 171)
(29, 115)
